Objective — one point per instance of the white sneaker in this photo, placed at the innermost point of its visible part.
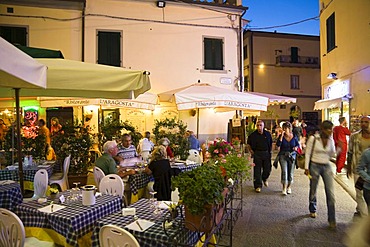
(284, 192)
(289, 190)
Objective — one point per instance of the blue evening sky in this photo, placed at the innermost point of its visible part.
(266, 13)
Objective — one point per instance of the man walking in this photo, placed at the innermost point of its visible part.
(259, 145)
(339, 134)
(358, 142)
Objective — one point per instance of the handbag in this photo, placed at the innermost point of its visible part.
(359, 183)
(276, 161)
(301, 159)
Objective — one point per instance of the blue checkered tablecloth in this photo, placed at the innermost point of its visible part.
(28, 173)
(138, 181)
(73, 221)
(10, 195)
(153, 236)
(183, 167)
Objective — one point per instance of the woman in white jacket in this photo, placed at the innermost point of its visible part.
(320, 149)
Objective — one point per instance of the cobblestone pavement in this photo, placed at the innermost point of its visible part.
(271, 219)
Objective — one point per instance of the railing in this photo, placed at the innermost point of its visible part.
(302, 61)
(226, 2)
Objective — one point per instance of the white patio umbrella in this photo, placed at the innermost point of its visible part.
(276, 99)
(18, 70)
(202, 95)
(145, 101)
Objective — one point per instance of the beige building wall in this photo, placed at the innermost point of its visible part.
(46, 32)
(350, 59)
(263, 72)
(167, 42)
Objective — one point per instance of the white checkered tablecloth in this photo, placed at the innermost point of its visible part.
(138, 181)
(185, 168)
(28, 173)
(73, 221)
(153, 236)
(10, 195)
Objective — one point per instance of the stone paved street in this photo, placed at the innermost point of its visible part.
(271, 219)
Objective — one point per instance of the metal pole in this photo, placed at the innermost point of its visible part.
(197, 123)
(19, 148)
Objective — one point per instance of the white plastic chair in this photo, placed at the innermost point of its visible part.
(112, 236)
(112, 184)
(12, 233)
(62, 178)
(11, 229)
(40, 184)
(98, 175)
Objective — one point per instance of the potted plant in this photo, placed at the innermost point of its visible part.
(174, 130)
(53, 191)
(75, 140)
(201, 191)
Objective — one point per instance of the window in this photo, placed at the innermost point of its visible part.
(330, 33)
(213, 54)
(14, 35)
(109, 48)
(294, 54)
(294, 82)
(245, 52)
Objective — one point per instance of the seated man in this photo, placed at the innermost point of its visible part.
(126, 155)
(107, 163)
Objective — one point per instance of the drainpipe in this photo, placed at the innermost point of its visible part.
(83, 32)
(251, 63)
(241, 53)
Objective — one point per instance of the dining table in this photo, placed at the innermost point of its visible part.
(138, 184)
(10, 194)
(66, 224)
(12, 173)
(156, 234)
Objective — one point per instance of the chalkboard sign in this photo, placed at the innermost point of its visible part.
(311, 116)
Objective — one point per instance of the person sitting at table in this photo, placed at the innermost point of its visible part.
(126, 151)
(145, 146)
(160, 168)
(108, 164)
(166, 143)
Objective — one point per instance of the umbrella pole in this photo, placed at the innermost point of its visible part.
(197, 123)
(19, 150)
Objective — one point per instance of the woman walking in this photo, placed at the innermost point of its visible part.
(288, 145)
(320, 148)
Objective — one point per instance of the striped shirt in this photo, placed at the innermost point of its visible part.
(127, 153)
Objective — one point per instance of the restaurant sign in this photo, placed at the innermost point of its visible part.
(222, 104)
(101, 102)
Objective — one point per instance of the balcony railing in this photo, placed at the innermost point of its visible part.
(301, 61)
(226, 2)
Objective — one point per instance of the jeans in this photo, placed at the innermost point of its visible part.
(361, 204)
(287, 169)
(326, 173)
(367, 198)
(262, 168)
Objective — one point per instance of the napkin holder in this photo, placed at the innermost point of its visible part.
(128, 211)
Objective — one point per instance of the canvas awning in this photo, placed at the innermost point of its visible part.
(68, 78)
(146, 101)
(329, 103)
(276, 99)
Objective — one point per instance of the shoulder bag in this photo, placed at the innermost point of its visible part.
(359, 183)
(302, 158)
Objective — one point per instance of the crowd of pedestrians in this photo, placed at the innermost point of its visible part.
(319, 149)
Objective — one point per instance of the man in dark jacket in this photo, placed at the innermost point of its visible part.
(259, 145)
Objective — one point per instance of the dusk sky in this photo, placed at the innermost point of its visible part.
(267, 13)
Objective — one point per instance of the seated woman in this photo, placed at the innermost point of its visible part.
(160, 168)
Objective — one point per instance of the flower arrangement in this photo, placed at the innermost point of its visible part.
(53, 189)
(233, 165)
(220, 148)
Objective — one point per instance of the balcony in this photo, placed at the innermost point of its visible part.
(217, 2)
(302, 61)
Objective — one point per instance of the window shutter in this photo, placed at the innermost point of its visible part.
(109, 48)
(330, 33)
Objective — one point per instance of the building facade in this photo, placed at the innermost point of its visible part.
(345, 59)
(178, 42)
(284, 64)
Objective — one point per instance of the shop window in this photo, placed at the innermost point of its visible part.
(213, 54)
(14, 35)
(245, 52)
(294, 81)
(330, 33)
(109, 48)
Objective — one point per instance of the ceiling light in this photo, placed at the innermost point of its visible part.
(332, 76)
